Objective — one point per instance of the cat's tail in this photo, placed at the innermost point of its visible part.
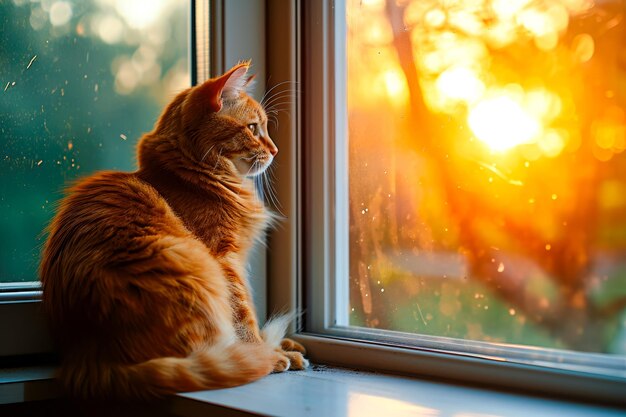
(225, 364)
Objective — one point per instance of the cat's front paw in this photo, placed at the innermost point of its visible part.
(289, 345)
(294, 361)
(297, 361)
(282, 362)
(295, 352)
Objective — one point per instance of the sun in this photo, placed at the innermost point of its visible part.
(502, 123)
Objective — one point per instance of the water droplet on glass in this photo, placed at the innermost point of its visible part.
(31, 61)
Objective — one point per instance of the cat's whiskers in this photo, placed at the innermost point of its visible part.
(276, 100)
(273, 115)
(280, 103)
(278, 97)
(274, 120)
(247, 174)
(265, 190)
(258, 186)
(285, 105)
(266, 97)
(273, 88)
(273, 112)
(288, 97)
(277, 111)
(271, 106)
(258, 182)
(271, 193)
(271, 180)
(283, 100)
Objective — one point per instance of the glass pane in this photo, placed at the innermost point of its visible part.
(487, 172)
(81, 81)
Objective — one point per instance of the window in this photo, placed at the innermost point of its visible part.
(374, 213)
(81, 81)
(463, 180)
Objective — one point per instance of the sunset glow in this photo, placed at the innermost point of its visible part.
(395, 86)
(502, 123)
(454, 52)
(463, 76)
(460, 84)
(487, 158)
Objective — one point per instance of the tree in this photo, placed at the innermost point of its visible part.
(541, 206)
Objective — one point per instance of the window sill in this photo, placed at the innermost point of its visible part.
(326, 391)
(24, 384)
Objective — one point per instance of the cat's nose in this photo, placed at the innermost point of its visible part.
(273, 149)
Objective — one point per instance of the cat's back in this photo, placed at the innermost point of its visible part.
(100, 218)
(107, 200)
(110, 196)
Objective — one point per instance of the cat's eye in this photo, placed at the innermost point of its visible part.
(254, 128)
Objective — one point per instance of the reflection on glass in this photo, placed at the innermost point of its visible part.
(487, 170)
(80, 82)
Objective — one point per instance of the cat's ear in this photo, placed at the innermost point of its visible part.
(228, 86)
(236, 80)
(250, 81)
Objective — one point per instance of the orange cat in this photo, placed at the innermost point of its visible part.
(144, 273)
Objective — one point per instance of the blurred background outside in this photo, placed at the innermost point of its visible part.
(487, 170)
(80, 82)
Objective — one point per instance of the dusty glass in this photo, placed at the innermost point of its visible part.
(81, 81)
(487, 172)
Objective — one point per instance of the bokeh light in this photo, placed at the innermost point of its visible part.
(60, 13)
(490, 134)
(502, 123)
(460, 83)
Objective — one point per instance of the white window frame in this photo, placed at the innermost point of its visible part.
(307, 250)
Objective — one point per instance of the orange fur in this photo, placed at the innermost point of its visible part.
(143, 273)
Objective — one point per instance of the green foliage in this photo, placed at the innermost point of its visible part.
(62, 119)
